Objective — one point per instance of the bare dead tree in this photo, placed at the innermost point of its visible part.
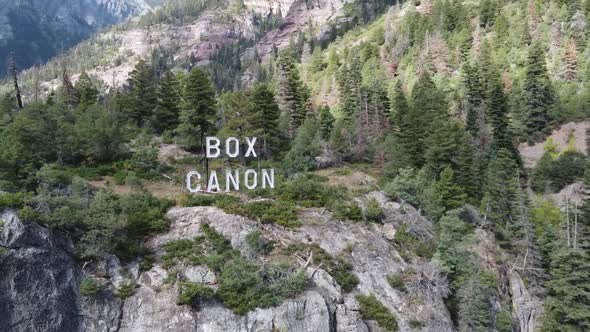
(19, 99)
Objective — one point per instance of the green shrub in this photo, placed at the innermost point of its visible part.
(374, 212)
(258, 243)
(3, 250)
(409, 245)
(211, 249)
(348, 211)
(307, 190)
(337, 267)
(396, 281)
(120, 177)
(243, 288)
(90, 286)
(372, 309)
(12, 200)
(190, 292)
(554, 174)
(125, 290)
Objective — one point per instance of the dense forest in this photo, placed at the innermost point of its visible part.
(433, 97)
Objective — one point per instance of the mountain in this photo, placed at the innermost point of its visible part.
(431, 159)
(36, 30)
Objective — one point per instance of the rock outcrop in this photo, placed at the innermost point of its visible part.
(38, 279)
(40, 289)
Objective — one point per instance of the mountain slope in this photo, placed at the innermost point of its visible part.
(37, 30)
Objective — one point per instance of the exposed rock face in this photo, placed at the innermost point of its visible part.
(38, 279)
(41, 289)
(527, 308)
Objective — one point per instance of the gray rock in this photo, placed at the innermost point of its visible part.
(199, 274)
(39, 279)
(102, 313)
(527, 308)
(150, 310)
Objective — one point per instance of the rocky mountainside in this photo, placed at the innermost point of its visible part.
(187, 33)
(41, 282)
(38, 30)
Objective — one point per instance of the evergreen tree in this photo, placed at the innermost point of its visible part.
(540, 96)
(567, 307)
(167, 110)
(240, 118)
(301, 157)
(326, 120)
(474, 101)
(197, 118)
(350, 86)
(449, 194)
(292, 95)
(399, 107)
(86, 90)
(498, 114)
(143, 97)
(263, 102)
(500, 201)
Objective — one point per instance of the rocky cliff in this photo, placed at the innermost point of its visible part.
(40, 280)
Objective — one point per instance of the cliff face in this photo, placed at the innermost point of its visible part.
(40, 288)
(38, 279)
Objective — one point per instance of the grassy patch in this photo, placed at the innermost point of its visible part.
(372, 309)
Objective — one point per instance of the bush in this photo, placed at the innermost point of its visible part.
(257, 243)
(337, 267)
(374, 212)
(243, 288)
(12, 200)
(409, 245)
(190, 293)
(90, 286)
(211, 249)
(125, 290)
(308, 190)
(348, 211)
(372, 309)
(554, 174)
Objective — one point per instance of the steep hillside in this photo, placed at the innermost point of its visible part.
(238, 34)
(38, 30)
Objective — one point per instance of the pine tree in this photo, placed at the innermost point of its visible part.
(86, 90)
(143, 97)
(399, 107)
(292, 95)
(427, 110)
(498, 114)
(567, 307)
(350, 85)
(197, 118)
(167, 110)
(326, 120)
(499, 202)
(449, 194)
(264, 103)
(469, 168)
(474, 101)
(540, 96)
